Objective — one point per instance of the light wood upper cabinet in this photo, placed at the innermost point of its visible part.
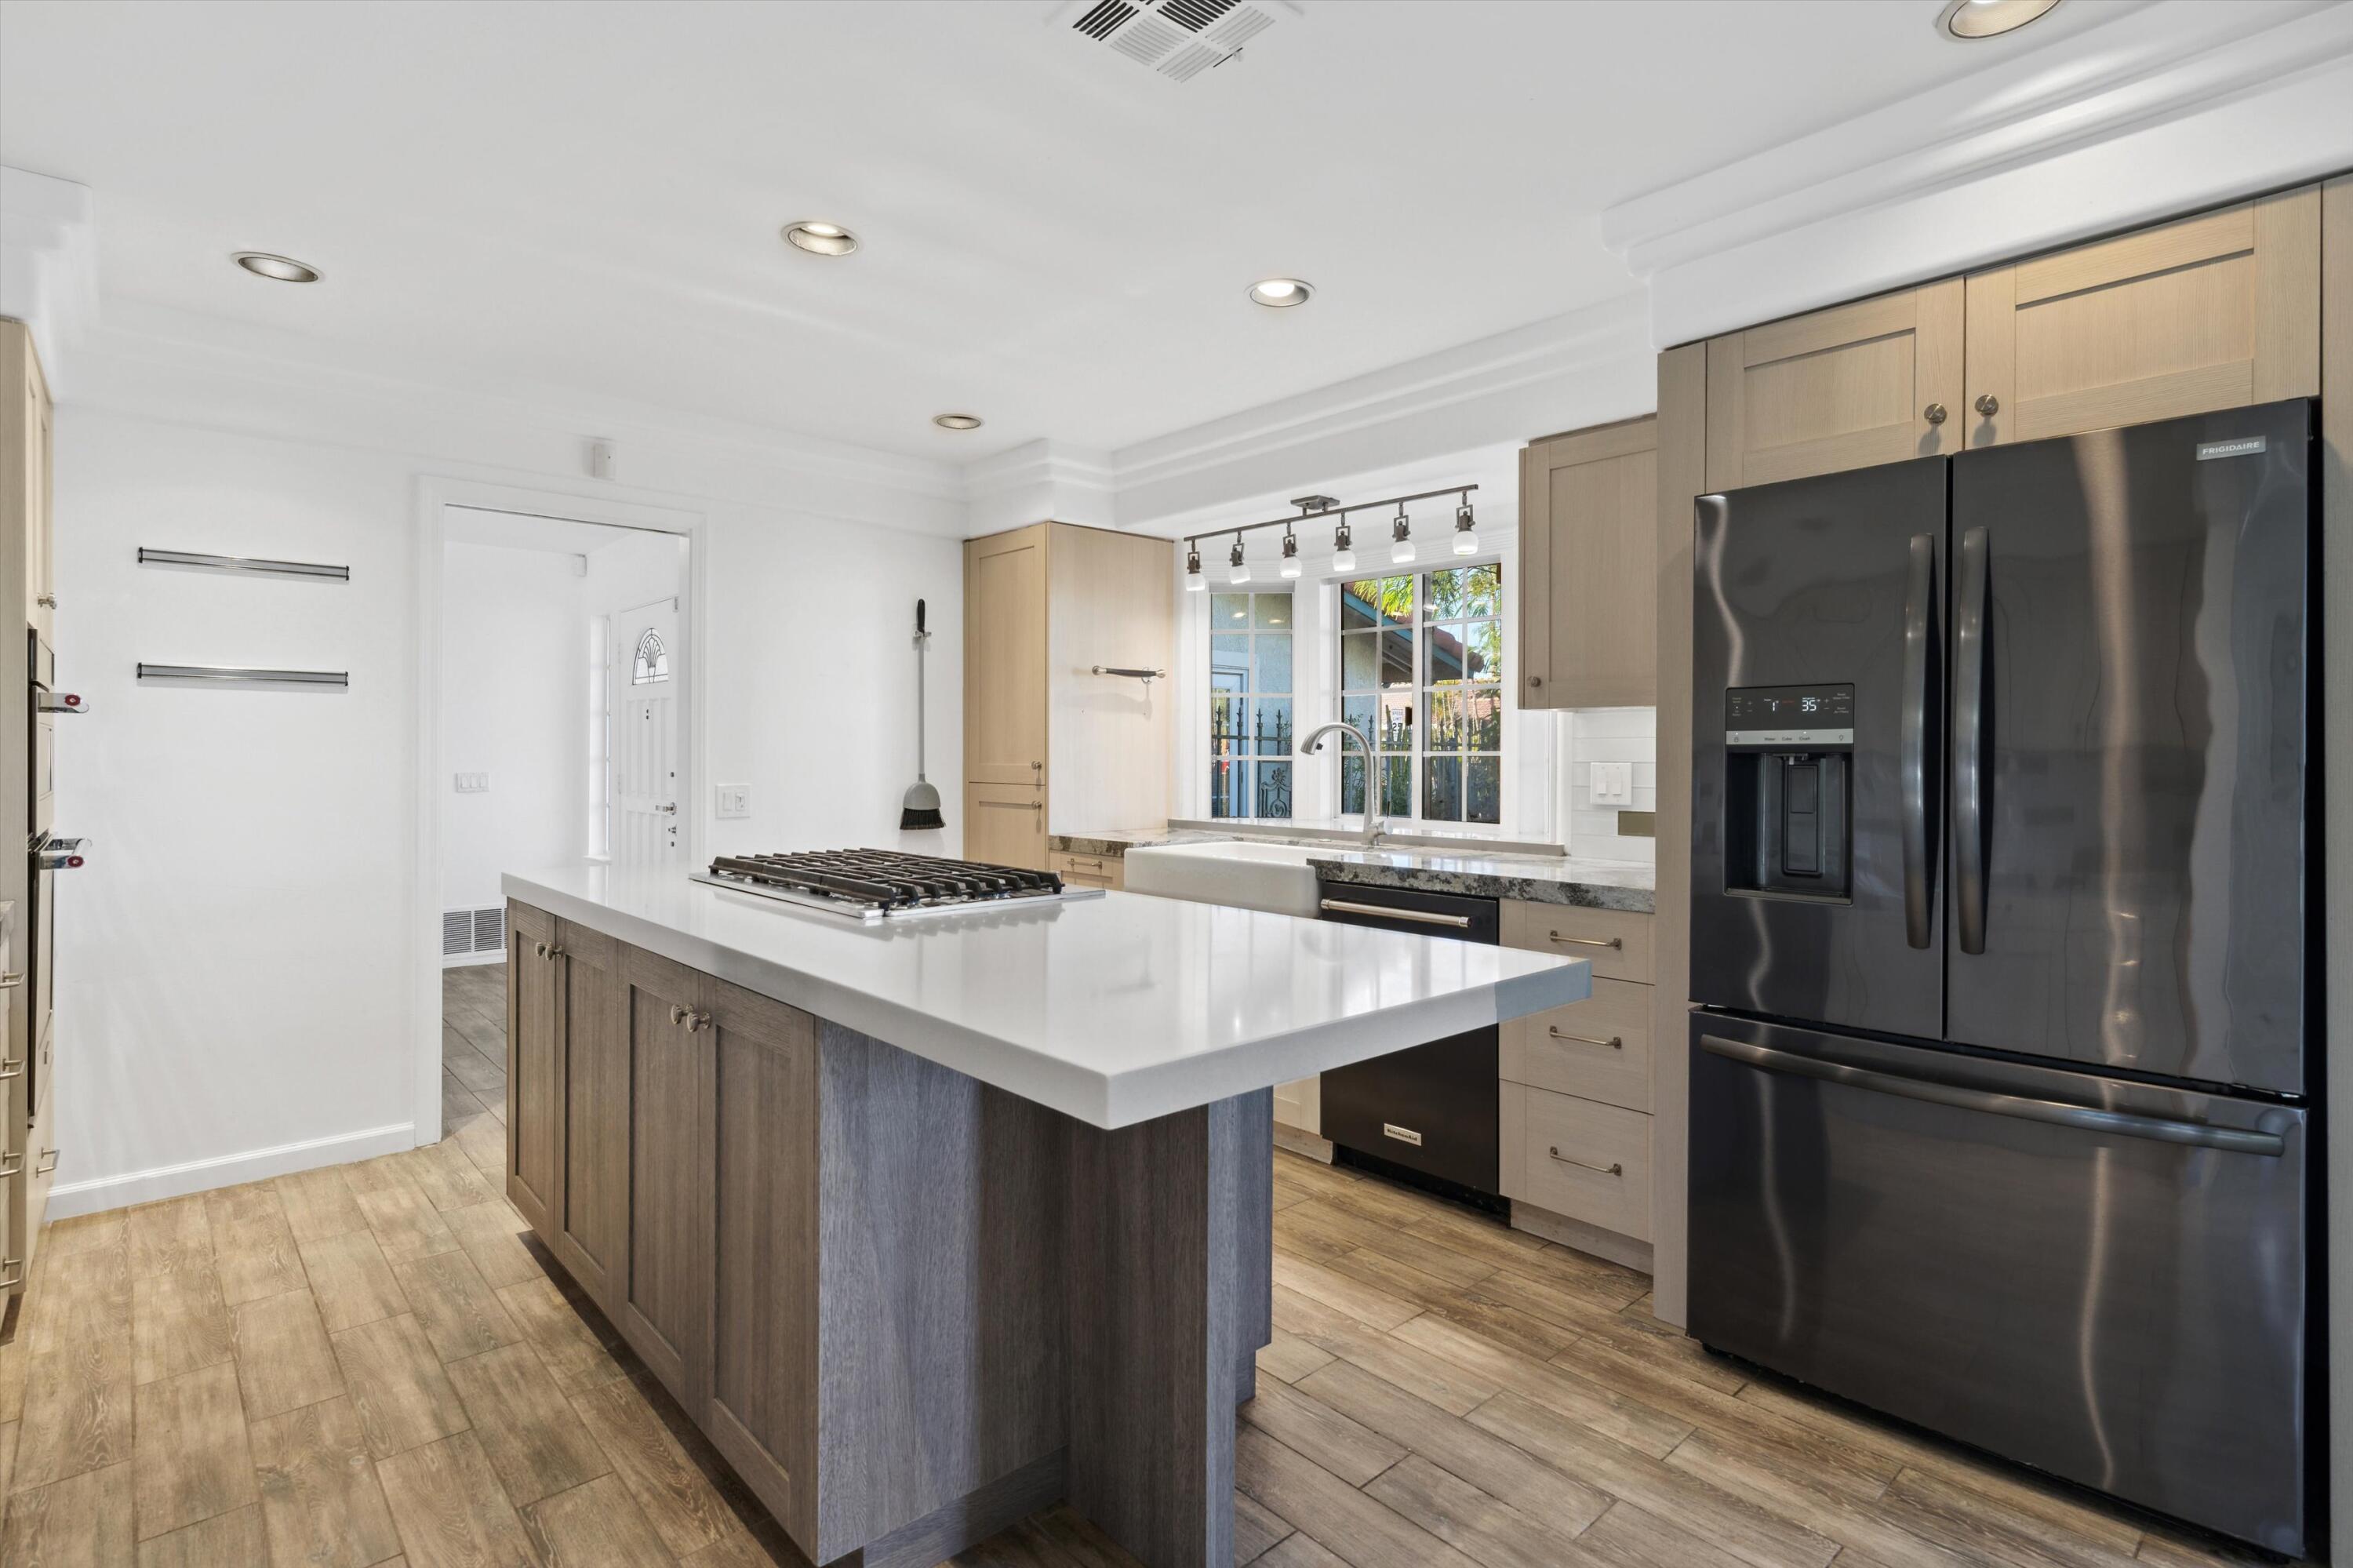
(1005, 657)
(1044, 735)
(1589, 568)
(2217, 311)
(1876, 381)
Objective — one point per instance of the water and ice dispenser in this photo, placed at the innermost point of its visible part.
(1787, 754)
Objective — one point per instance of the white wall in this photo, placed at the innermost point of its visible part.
(237, 963)
(1609, 735)
(514, 679)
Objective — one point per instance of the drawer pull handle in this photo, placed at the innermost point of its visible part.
(1612, 1169)
(11, 1165)
(48, 1162)
(8, 980)
(1615, 942)
(1417, 917)
(11, 1066)
(12, 1273)
(1615, 1043)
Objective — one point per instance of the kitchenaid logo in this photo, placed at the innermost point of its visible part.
(2246, 447)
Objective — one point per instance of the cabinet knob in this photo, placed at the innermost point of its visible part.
(1535, 681)
(46, 602)
(1933, 413)
(554, 953)
(1989, 405)
(677, 1014)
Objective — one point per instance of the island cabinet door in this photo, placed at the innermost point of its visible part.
(762, 1405)
(592, 1198)
(662, 1301)
(535, 1043)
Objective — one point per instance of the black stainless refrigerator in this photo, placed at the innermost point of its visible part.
(2005, 930)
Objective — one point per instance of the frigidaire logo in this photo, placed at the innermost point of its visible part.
(2245, 447)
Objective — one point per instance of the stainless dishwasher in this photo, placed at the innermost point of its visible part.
(1426, 1115)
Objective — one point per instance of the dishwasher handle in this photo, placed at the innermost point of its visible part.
(2058, 1113)
(1386, 912)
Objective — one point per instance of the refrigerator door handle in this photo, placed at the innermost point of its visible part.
(2161, 1130)
(1920, 641)
(1968, 744)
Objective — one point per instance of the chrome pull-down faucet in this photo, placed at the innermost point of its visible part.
(1312, 741)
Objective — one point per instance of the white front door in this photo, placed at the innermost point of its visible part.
(648, 667)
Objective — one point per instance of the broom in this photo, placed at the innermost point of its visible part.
(921, 808)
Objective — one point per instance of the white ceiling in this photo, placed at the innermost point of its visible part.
(585, 199)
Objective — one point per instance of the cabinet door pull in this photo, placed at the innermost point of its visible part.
(553, 953)
(1617, 942)
(1615, 1043)
(11, 1066)
(538, 948)
(697, 1022)
(677, 1014)
(48, 601)
(12, 1273)
(15, 980)
(48, 1162)
(1613, 1169)
(1989, 405)
(11, 1164)
(1535, 681)
(1933, 413)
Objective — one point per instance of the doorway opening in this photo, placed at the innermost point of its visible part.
(561, 717)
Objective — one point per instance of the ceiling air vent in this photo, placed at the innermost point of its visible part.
(1179, 39)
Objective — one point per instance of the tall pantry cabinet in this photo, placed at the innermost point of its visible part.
(27, 1153)
(1050, 744)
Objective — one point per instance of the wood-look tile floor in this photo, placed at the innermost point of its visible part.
(373, 1365)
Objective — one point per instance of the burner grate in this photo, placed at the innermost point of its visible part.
(881, 881)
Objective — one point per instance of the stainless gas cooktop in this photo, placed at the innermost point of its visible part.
(875, 884)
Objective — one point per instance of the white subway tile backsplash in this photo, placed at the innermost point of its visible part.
(1608, 735)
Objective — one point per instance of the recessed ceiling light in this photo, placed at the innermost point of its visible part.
(282, 268)
(1969, 20)
(821, 238)
(1280, 294)
(956, 421)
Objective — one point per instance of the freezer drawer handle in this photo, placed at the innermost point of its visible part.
(1617, 942)
(2058, 1113)
(1610, 1169)
(1418, 916)
(1615, 1043)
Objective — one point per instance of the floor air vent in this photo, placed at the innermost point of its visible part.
(465, 931)
(1177, 38)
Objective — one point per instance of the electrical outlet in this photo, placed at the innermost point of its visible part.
(734, 802)
(473, 783)
(1613, 783)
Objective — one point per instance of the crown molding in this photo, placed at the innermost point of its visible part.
(159, 365)
(1040, 479)
(1583, 367)
(2167, 107)
(49, 264)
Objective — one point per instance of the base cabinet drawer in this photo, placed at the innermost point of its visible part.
(1599, 1049)
(1577, 1157)
(1087, 870)
(1616, 941)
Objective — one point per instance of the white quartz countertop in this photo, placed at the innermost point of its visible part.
(1112, 1009)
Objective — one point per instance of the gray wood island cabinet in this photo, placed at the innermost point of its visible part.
(907, 1305)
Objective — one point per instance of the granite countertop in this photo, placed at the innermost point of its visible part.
(1113, 1008)
(1470, 869)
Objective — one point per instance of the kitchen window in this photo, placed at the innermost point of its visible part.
(1421, 676)
(1250, 705)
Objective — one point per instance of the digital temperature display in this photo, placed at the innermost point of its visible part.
(1784, 715)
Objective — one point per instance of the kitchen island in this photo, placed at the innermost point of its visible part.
(931, 1221)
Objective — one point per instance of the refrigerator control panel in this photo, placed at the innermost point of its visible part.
(1808, 716)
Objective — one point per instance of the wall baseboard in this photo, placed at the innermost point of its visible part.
(1578, 1236)
(70, 1197)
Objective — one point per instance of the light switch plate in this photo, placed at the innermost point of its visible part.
(1613, 784)
(734, 802)
(473, 783)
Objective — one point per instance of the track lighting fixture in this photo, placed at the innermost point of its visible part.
(1466, 537)
(1401, 537)
(1289, 554)
(1343, 548)
(1240, 567)
(1194, 581)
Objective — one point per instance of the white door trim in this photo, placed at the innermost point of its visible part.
(435, 492)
